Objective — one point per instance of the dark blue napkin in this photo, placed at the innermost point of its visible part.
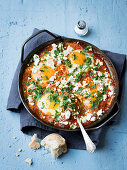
(29, 125)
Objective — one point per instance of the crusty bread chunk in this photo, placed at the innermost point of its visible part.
(55, 143)
(34, 144)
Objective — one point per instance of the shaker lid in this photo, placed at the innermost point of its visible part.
(81, 24)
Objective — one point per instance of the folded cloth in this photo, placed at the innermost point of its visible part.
(29, 125)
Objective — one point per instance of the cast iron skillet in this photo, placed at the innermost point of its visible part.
(114, 107)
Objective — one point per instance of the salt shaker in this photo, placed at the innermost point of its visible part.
(81, 28)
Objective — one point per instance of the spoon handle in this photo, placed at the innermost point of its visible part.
(90, 146)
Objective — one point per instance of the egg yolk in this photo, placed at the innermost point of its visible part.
(50, 105)
(78, 58)
(44, 73)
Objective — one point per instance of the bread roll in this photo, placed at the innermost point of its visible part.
(55, 143)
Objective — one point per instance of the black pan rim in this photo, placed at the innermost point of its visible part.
(106, 59)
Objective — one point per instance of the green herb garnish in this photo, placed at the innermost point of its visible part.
(56, 116)
(43, 105)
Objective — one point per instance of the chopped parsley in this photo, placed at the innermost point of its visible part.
(38, 80)
(81, 66)
(43, 105)
(54, 97)
(92, 55)
(39, 91)
(69, 88)
(93, 87)
(79, 90)
(88, 61)
(42, 70)
(88, 47)
(101, 77)
(74, 56)
(56, 116)
(79, 76)
(47, 52)
(68, 63)
(56, 52)
(96, 102)
(46, 77)
(84, 52)
(31, 59)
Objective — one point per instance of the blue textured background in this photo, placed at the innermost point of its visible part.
(107, 22)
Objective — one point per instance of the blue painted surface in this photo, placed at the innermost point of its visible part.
(107, 30)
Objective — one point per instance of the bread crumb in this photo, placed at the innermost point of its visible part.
(29, 161)
(14, 137)
(20, 150)
(34, 144)
(17, 154)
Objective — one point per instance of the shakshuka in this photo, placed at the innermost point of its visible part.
(57, 74)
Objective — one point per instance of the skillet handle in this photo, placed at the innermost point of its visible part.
(22, 50)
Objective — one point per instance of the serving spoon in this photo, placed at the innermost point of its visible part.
(90, 146)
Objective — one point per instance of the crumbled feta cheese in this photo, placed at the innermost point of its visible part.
(69, 100)
(65, 123)
(85, 83)
(30, 99)
(101, 63)
(111, 88)
(90, 49)
(57, 83)
(67, 51)
(52, 78)
(99, 73)
(93, 118)
(106, 74)
(84, 119)
(98, 61)
(34, 69)
(106, 81)
(97, 81)
(65, 58)
(99, 113)
(67, 114)
(70, 79)
(94, 71)
(31, 86)
(50, 63)
(60, 45)
(88, 116)
(32, 104)
(29, 161)
(59, 61)
(36, 59)
(75, 88)
(104, 97)
(110, 93)
(54, 46)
